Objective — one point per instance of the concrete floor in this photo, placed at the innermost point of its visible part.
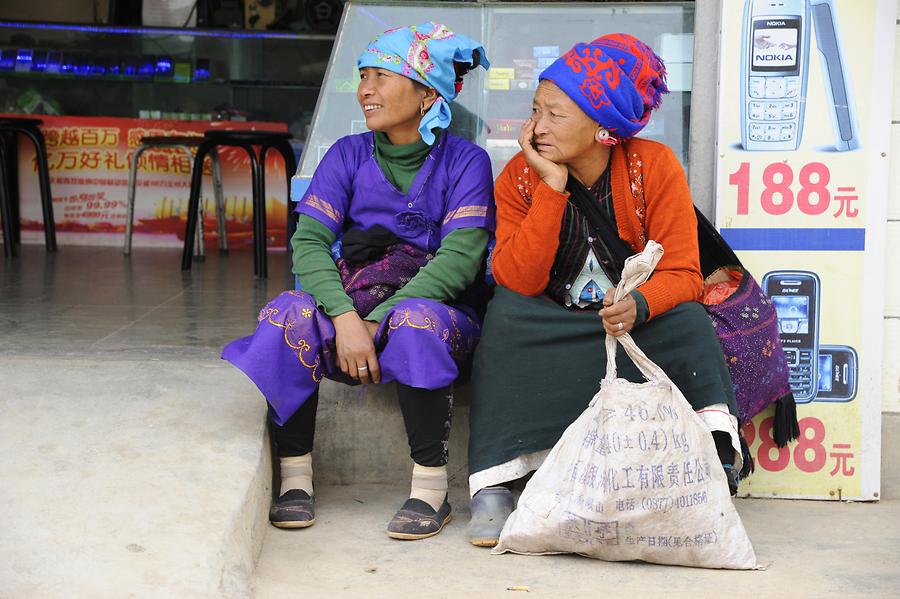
(135, 464)
(134, 461)
(810, 549)
(95, 301)
(128, 478)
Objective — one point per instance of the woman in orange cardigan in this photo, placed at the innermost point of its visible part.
(582, 196)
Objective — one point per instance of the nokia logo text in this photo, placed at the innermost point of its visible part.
(775, 23)
(774, 57)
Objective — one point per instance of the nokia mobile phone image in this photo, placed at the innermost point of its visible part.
(835, 75)
(838, 373)
(774, 68)
(795, 295)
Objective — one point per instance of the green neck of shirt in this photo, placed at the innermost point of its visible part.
(400, 164)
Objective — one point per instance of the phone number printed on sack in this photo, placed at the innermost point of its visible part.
(665, 504)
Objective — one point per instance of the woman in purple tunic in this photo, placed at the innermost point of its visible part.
(412, 206)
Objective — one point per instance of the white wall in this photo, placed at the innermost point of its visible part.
(890, 387)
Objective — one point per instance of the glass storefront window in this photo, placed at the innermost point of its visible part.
(87, 70)
(520, 39)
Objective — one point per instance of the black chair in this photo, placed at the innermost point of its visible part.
(184, 144)
(266, 140)
(10, 128)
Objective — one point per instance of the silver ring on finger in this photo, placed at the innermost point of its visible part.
(362, 368)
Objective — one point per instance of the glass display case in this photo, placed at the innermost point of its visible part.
(520, 40)
(162, 73)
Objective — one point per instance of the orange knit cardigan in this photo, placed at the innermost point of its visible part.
(529, 216)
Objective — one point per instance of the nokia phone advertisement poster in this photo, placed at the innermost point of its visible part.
(804, 107)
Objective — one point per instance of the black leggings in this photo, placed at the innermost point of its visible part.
(724, 447)
(426, 415)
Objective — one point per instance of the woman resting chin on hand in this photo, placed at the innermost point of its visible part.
(566, 221)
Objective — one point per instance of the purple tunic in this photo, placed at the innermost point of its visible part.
(421, 342)
(452, 190)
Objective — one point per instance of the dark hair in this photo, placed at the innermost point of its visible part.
(461, 68)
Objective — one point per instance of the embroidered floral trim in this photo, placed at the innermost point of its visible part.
(451, 334)
(418, 63)
(384, 56)
(300, 345)
(524, 184)
(636, 177)
(426, 324)
(418, 56)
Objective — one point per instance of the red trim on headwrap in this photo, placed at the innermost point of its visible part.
(617, 80)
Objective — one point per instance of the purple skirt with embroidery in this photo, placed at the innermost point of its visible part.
(421, 343)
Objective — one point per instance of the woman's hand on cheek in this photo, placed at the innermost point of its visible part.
(355, 349)
(554, 175)
(618, 318)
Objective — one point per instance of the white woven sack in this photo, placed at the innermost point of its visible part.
(635, 477)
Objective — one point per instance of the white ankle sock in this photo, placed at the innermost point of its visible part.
(296, 473)
(429, 484)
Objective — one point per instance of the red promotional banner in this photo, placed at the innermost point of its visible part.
(89, 159)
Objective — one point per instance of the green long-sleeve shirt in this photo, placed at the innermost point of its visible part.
(454, 266)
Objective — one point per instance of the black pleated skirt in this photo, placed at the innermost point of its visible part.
(538, 365)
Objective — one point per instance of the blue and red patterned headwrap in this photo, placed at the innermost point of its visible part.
(617, 80)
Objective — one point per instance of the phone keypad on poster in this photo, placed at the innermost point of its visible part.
(774, 132)
(791, 87)
(773, 111)
(757, 87)
(800, 363)
(773, 105)
(775, 87)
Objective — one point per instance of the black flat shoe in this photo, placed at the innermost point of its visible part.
(418, 520)
(294, 509)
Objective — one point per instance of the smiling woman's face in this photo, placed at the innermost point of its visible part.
(562, 131)
(390, 101)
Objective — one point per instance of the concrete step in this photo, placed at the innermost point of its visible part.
(810, 549)
(360, 437)
(129, 478)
